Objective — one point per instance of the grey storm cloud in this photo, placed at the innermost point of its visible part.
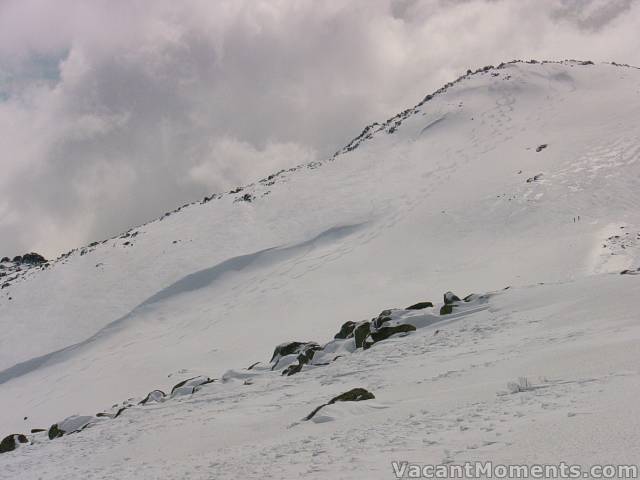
(112, 112)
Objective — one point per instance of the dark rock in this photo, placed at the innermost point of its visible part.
(55, 432)
(285, 349)
(420, 306)
(541, 147)
(361, 332)
(471, 296)
(385, 332)
(33, 258)
(291, 348)
(10, 442)
(446, 309)
(450, 298)
(305, 356)
(5, 259)
(17, 259)
(353, 395)
(384, 317)
(69, 425)
(38, 430)
(193, 383)
(535, 178)
(292, 369)
(250, 367)
(119, 412)
(630, 272)
(346, 330)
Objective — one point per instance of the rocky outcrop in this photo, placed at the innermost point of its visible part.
(291, 348)
(290, 357)
(385, 332)
(346, 330)
(33, 258)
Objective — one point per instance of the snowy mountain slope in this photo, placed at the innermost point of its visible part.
(456, 196)
(440, 397)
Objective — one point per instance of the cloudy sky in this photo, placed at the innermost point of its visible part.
(113, 112)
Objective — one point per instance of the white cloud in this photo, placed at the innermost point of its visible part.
(167, 101)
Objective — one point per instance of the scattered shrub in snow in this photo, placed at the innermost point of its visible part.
(535, 178)
(522, 385)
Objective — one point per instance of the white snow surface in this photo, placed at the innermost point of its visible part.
(441, 203)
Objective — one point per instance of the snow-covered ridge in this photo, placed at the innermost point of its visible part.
(246, 193)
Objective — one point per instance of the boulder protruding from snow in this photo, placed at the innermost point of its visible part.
(361, 332)
(385, 332)
(69, 425)
(446, 309)
(353, 395)
(346, 330)
(289, 349)
(11, 442)
(630, 272)
(190, 385)
(155, 396)
(450, 298)
(420, 306)
(304, 355)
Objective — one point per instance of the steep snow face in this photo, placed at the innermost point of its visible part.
(512, 176)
